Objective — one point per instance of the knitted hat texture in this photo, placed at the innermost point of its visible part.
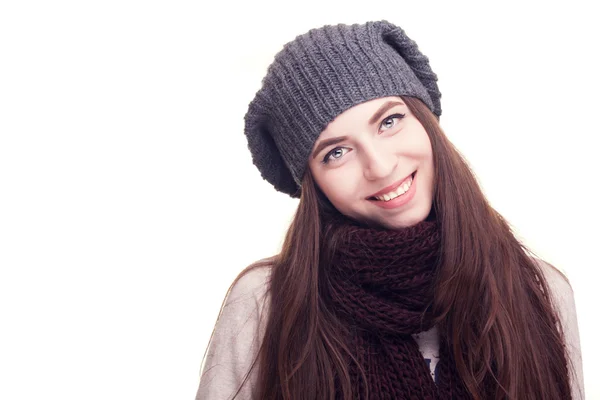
(321, 74)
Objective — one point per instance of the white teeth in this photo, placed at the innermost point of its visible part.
(398, 192)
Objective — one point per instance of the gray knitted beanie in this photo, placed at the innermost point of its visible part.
(321, 74)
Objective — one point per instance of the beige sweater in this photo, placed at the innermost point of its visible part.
(240, 326)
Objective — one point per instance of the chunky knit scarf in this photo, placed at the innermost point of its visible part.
(381, 286)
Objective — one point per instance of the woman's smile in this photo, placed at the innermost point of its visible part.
(399, 197)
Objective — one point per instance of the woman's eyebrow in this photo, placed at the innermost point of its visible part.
(328, 142)
(383, 109)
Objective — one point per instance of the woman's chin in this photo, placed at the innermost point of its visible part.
(404, 220)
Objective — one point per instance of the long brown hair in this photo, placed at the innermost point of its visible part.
(492, 302)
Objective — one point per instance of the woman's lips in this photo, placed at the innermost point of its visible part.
(392, 187)
(400, 200)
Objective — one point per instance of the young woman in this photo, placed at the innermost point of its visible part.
(397, 279)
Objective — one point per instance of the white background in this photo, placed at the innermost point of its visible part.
(128, 200)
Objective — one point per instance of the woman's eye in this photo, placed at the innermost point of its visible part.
(391, 121)
(334, 155)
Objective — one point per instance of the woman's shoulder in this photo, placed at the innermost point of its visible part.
(563, 298)
(247, 301)
(251, 283)
(561, 293)
(558, 282)
(237, 335)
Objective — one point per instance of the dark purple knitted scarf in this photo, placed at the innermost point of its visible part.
(381, 285)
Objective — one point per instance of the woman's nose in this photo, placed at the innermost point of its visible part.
(378, 163)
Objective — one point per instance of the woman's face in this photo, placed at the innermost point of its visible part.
(373, 149)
